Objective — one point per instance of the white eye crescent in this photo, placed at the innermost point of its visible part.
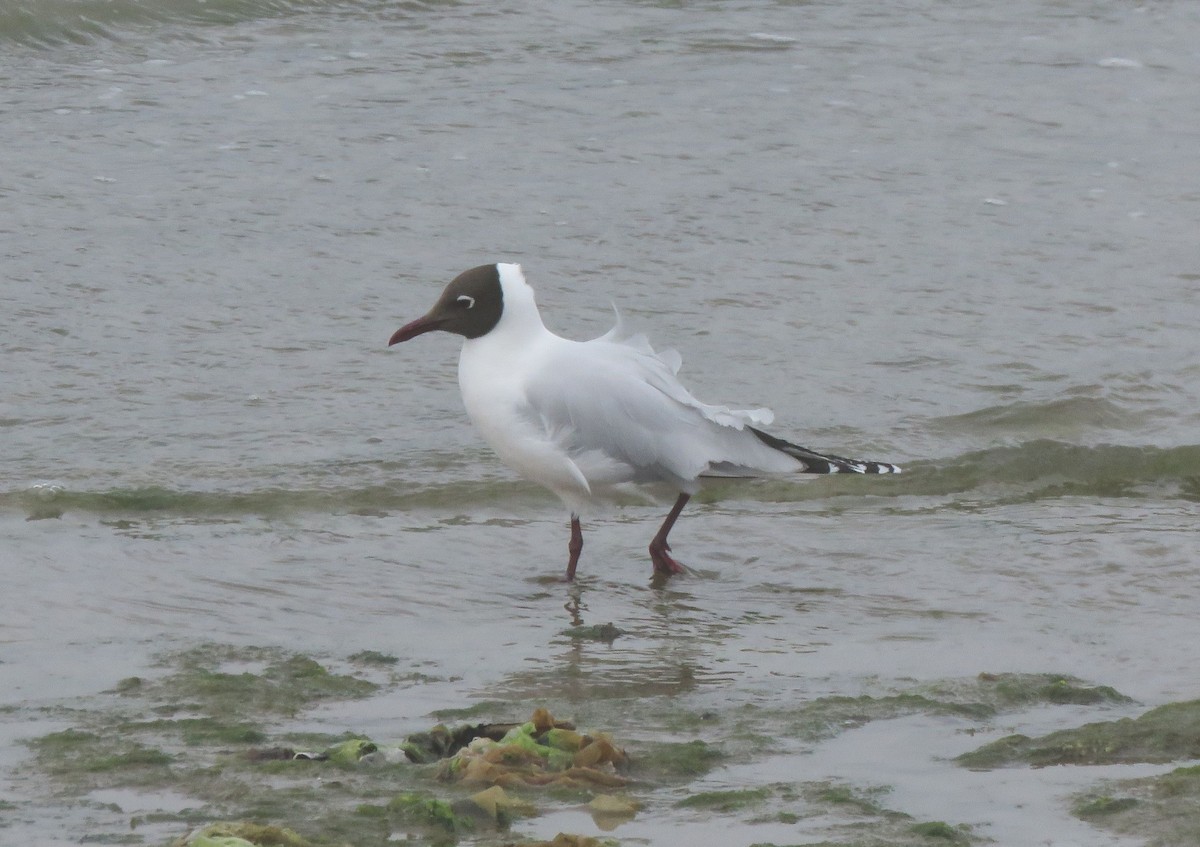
(466, 299)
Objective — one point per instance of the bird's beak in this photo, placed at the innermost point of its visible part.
(420, 326)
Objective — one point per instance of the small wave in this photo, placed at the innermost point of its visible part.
(1041, 469)
(1033, 470)
(1060, 417)
(55, 22)
(1038, 469)
(55, 500)
(1045, 468)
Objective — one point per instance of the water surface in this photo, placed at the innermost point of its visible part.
(960, 237)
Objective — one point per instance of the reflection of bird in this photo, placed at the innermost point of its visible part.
(584, 418)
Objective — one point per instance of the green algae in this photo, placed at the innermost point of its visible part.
(420, 816)
(976, 699)
(350, 752)
(284, 686)
(201, 731)
(240, 834)
(1163, 810)
(373, 657)
(422, 812)
(855, 811)
(524, 756)
(441, 742)
(213, 703)
(1167, 733)
(941, 832)
(725, 801)
(190, 730)
(88, 759)
(676, 760)
(842, 797)
(129, 685)
(486, 708)
(1099, 807)
(1040, 688)
(860, 819)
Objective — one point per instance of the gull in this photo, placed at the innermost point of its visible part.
(590, 419)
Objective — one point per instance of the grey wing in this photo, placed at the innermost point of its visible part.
(623, 417)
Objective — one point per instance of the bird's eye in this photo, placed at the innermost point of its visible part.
(467, 301)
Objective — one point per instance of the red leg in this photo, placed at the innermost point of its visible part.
(663, 562)
(574, 547)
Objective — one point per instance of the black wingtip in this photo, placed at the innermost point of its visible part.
(820, 463)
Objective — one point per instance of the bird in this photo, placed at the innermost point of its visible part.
(590, 419)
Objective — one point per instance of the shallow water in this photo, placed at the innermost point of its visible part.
(959, 237)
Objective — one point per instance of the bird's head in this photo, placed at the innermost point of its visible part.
(470, 306)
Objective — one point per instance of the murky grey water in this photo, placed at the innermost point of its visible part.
(957, 236)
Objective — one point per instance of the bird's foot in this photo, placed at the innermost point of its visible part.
(664, 563)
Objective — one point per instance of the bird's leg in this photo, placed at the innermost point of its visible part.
(574, 547)
(663, 563)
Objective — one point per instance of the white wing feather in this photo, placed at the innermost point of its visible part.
(615, 406)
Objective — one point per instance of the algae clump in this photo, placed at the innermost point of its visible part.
(941, 831)
(242, 834)
(678, 760)
(1027, 689)
(1101, 806)
(426, 811)
(725, 801)
(350, 752)
(91, 759)
(284, 686)
(532, 754)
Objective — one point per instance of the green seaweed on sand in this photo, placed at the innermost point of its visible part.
(1099, 807)
(88, 759)
(242, 834)
(1162, 811)
(422, 812)
(211, 726)
(941, 832)
(287, 684)
(979, 698)
(198, 731)
(1013, 690)
(857, 817)
(373, 657)
(189, 730)
(350, 752)
(422, 816)
(675, 760)
(485, 708)
(846, 798)
(725, 801)
(1165, 734)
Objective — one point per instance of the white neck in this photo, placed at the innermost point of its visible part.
(520, 316)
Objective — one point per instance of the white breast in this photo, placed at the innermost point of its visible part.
(492, 377)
